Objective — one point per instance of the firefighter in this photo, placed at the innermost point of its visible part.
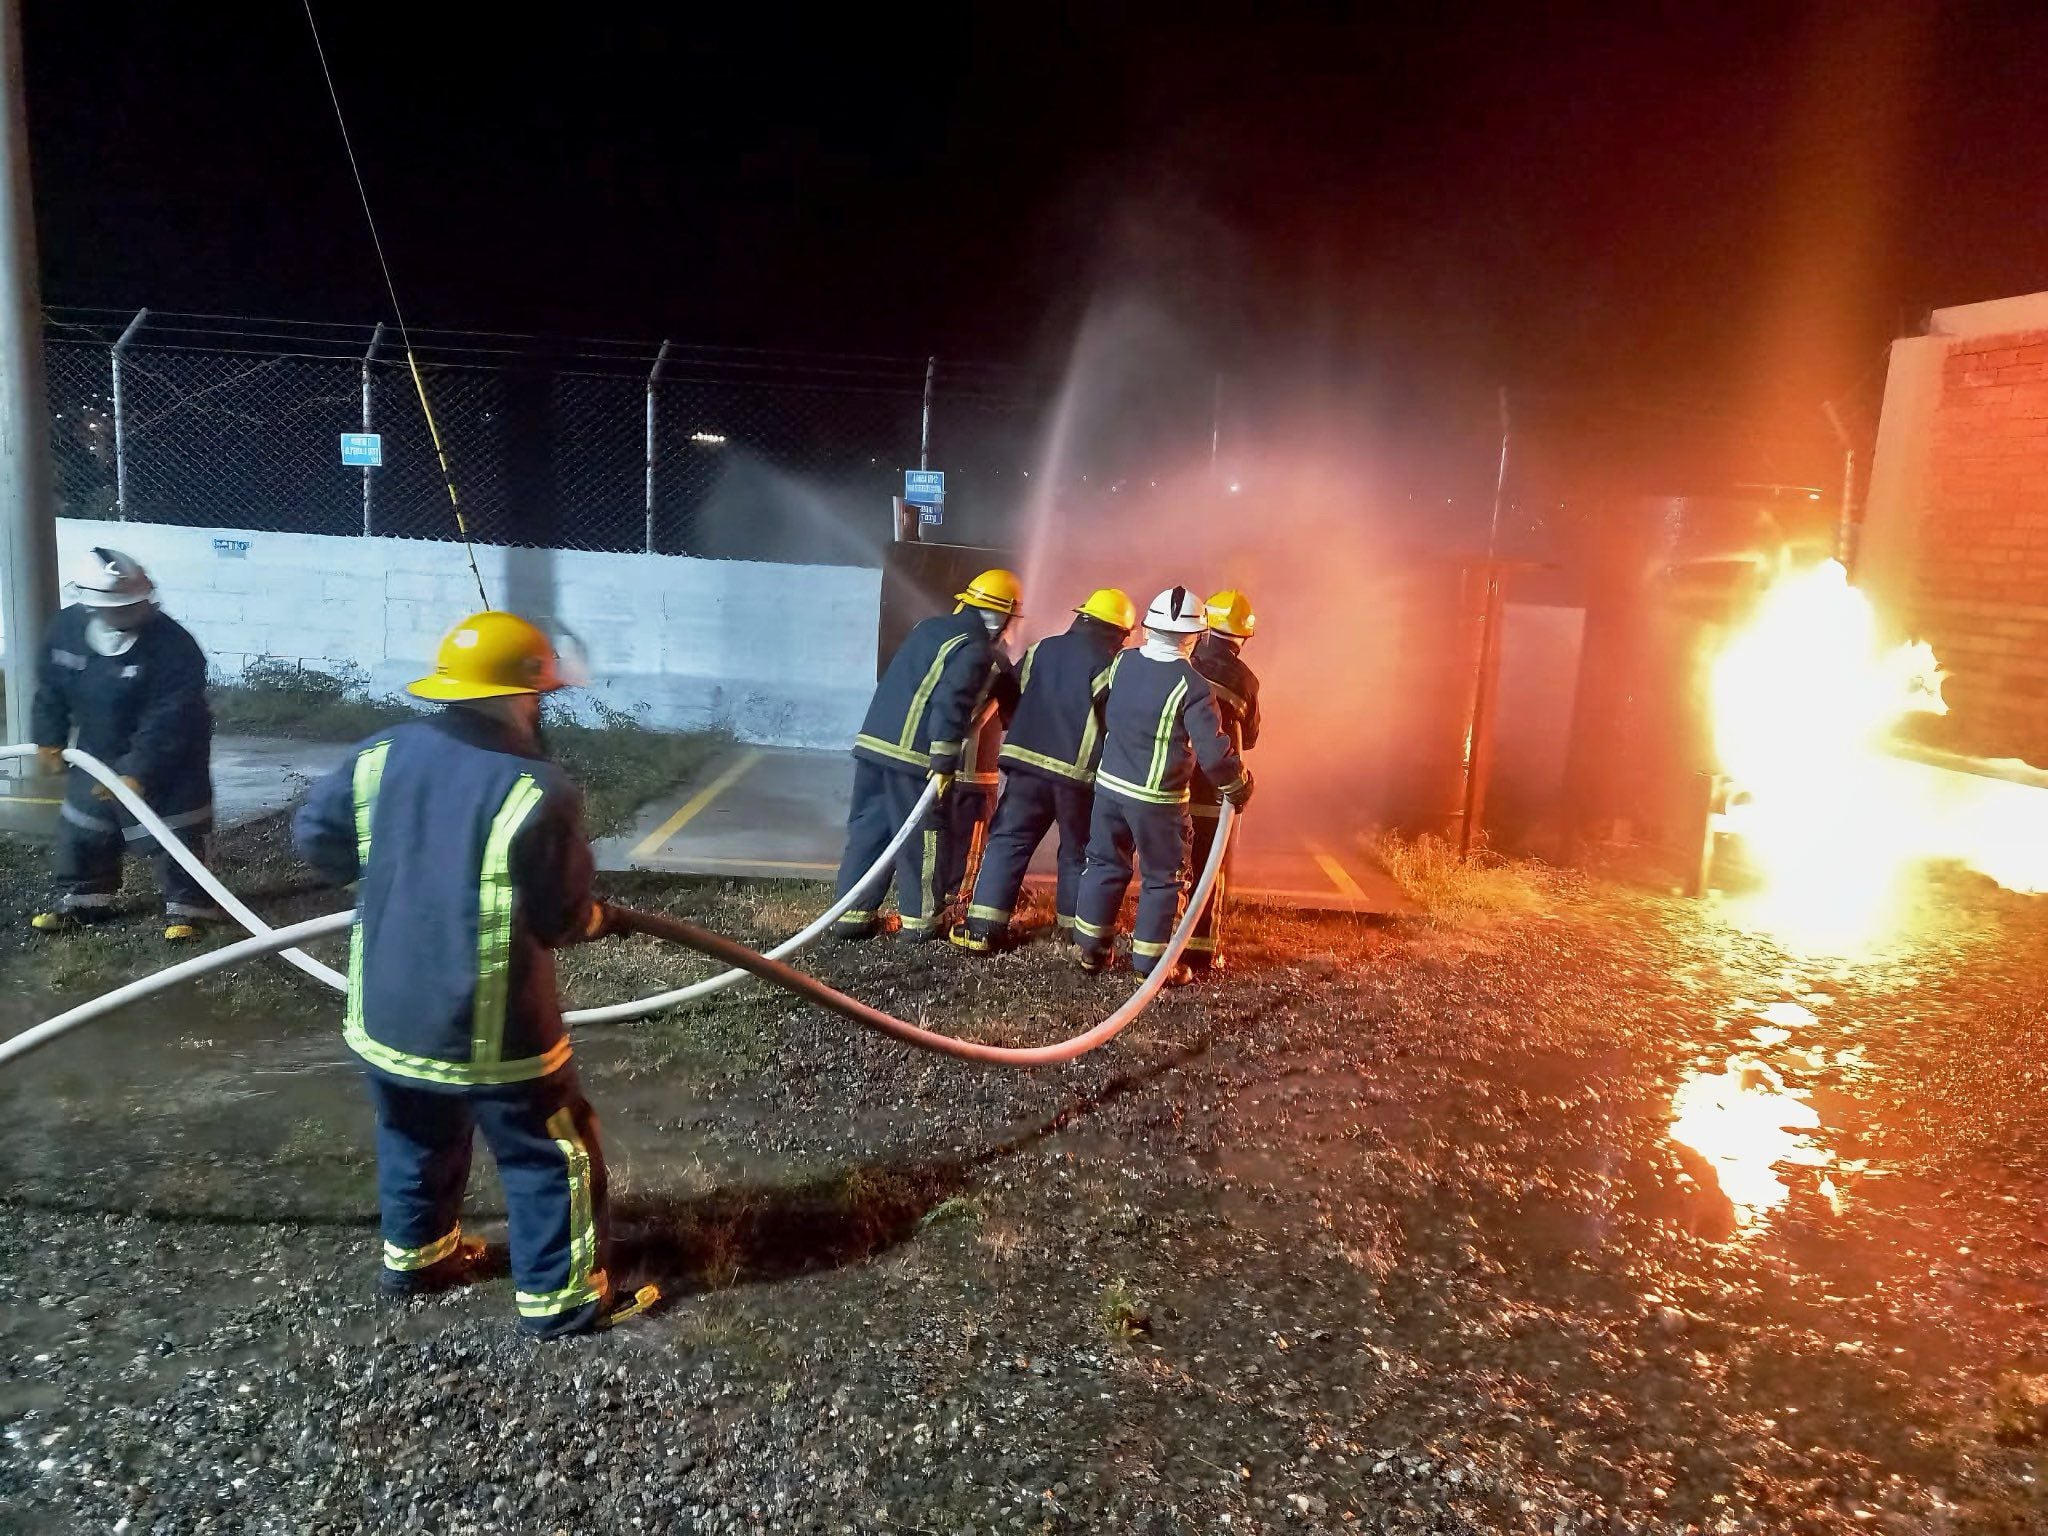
(1048, 764)
(916, 725)
(972, 799)
(130, 682)
(1217, 657)
(466, 845)
(1160, 721)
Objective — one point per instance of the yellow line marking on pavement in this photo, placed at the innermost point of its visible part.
(6, 799)
(746, 864)
(652, 843)
(1340, 877)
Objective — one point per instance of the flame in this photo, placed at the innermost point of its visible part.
(1805, 698)
(1747, 1124)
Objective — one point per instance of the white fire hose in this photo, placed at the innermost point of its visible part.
(616, 1013)
(266, 940)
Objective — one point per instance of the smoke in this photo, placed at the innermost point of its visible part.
(1155, 474)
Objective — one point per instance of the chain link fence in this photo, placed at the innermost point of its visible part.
(715, 452)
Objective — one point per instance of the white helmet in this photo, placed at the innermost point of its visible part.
(1177, 611)
(106, 578)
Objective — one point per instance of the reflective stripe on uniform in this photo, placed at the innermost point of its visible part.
(890, 749)
(928, 882)
(587, 1283)
(1203, 946)
(1016, 754)
(367, 778)
(914, 716)
(86, 819)
(1162, 737)
(1138, 792)
(432, 1253)
(989, 914)
(1024, 673)
(1082, 925)
(202, 816)
(1206, 809)
(1147, 948)
(432, 1069)
(494, 924)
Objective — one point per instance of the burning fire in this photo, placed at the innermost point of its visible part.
(1805, 699)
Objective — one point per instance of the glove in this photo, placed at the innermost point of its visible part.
(599, 924)
(49, 760)
(101, 792)
(1240, 794)
(945, 783)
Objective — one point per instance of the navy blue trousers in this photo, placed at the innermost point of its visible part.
(1157, 837)
(543, 1136)
(93, 835)
(967, 808)
(882, 800)
(1205, 944)
(1031, 806)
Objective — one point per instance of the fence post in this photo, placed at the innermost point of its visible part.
(924, 431)
(653, 378)
(120, 420)
(369, 356)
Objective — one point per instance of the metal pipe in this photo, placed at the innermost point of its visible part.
(1479, 728)
(924, 433)
(369, 356)
(653, 444)
(120, 419)
(1215, 423)
(1844, 527)
(28, 525)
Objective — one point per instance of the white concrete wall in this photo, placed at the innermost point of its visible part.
(782, 654)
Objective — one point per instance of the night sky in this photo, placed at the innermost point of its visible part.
(1707, 202)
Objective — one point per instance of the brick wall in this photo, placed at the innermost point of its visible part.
(1980, 581)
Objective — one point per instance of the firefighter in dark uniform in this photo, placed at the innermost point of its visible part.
(466, 844)
(130, 682)
(1048, 763)
(915, 730)
(972, 799)
(1159, 724)
(1217, 656)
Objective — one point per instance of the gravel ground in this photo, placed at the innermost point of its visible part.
(1383, 1232)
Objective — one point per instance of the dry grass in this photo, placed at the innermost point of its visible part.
(1455, 889)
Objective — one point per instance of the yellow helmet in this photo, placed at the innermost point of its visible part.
(487, 656)
(1230, 613)
(1113, 606)
(998, 591)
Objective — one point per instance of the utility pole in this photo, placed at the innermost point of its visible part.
(28, 525)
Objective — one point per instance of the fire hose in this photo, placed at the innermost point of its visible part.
(266, 940)
(616, 1013)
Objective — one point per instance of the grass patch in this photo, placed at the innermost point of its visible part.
(281, 698)
(1120, 1313)
(1444, 885)
(956, 1208)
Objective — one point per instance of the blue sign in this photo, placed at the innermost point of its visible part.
(362, 450)
(231, 549)
(933, 515)
(925, 488)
